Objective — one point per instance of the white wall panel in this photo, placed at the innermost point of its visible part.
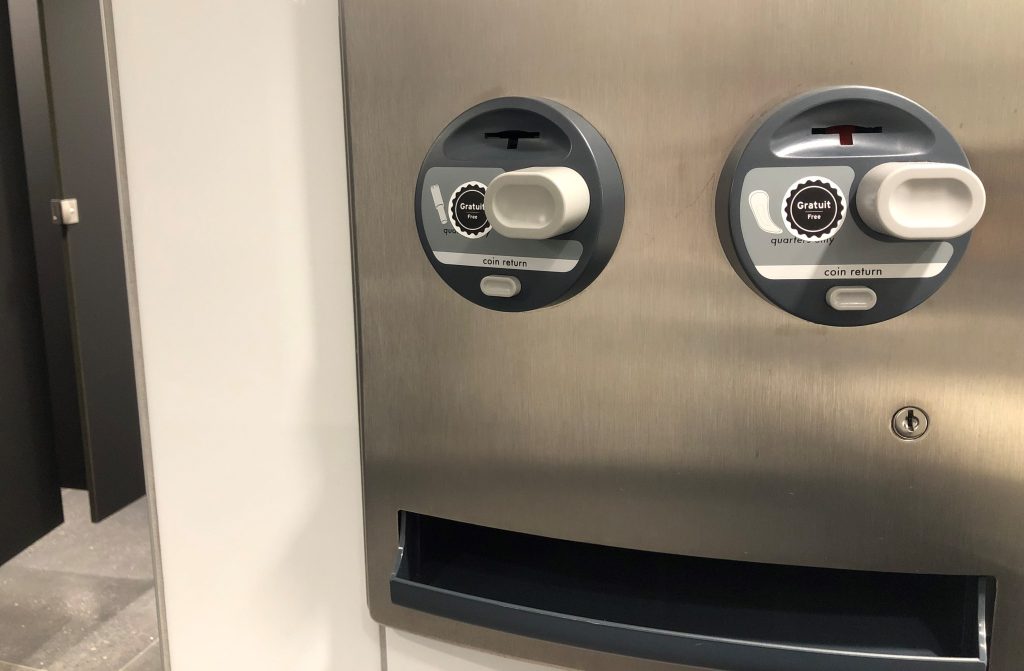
(408, 652)
(235, 161)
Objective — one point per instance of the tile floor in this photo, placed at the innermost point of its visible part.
(81, 599)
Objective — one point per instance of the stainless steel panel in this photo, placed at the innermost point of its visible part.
(667, 407)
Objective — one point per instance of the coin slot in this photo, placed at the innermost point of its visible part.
(512, 137)
(845, 132)
(506, 133)
(866, 124)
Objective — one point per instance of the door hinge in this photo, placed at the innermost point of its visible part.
(64, 211)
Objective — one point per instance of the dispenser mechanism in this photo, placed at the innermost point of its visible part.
(847, 206)
(519, 204)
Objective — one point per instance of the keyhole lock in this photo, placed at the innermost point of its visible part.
(910, 423)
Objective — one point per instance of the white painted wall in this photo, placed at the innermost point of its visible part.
(407, 652)
(234, 145)
(235, 161)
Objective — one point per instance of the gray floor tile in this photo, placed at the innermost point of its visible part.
(45, 612)
(118, 547)
(82, 598)
(111, 645)
(149, 660)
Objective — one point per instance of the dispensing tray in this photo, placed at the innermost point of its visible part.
(719, 614)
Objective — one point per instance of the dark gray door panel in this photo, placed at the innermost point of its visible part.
(83, 126)
(51, 270)
(29, 493)
(65, 94)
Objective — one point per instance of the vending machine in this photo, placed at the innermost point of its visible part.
(691, 333)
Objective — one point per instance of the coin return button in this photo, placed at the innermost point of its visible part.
(851, 298)
(500, 286)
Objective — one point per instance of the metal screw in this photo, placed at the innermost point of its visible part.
(910, 423)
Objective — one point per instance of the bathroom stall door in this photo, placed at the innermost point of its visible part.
(67, 90)
(29, 494)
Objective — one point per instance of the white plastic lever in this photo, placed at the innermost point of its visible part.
(921, 201)
(537, 203)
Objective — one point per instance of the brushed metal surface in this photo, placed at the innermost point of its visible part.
(667, 407)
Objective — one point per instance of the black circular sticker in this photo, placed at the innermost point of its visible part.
(466, 209)
(814, 209)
